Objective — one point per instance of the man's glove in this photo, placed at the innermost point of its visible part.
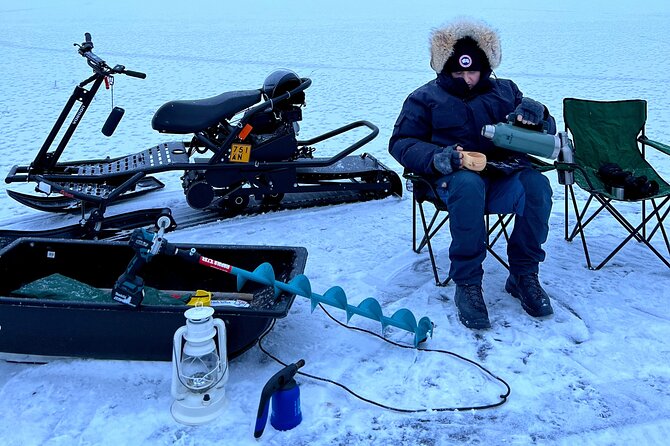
(447, 159)
(529, 112)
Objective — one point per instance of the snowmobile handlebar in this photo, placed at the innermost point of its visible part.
(137, 74)
(99, 66)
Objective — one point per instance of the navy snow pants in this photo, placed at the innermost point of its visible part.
(469, 196)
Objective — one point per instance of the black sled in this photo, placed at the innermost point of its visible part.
(79, 318)
(243, 154)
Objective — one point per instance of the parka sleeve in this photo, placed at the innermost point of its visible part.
(410, 142)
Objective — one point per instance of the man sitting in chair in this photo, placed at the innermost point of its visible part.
(444, 117)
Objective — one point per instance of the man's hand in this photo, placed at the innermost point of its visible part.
(447, 159)
(529, 112)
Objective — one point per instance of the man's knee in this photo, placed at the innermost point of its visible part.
(536, 185)
(461, 186)
(466, 184)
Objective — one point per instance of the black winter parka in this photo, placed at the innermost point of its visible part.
(444, 112)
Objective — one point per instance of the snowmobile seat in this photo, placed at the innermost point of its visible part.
(183, 117)
(611, 166)
(424, 193)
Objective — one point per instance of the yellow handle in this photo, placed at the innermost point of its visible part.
(201, 298)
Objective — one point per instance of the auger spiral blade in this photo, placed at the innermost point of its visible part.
(336, 297)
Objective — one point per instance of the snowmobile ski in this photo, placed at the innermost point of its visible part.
(114, 227)
(62, 203)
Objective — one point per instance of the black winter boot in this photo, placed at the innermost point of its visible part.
(471, 307)
(527, 288)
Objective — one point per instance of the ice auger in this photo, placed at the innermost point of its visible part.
(148, 244)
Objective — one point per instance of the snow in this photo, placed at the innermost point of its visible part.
(595, 373)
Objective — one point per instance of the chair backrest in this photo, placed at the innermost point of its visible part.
(606, 132)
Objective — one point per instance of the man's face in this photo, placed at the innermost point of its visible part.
(470, 77)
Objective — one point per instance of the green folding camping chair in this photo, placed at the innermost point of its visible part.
(613, 132)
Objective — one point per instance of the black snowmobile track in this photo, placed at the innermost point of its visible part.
(301, 200)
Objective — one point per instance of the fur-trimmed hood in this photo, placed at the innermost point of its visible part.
(442, 41)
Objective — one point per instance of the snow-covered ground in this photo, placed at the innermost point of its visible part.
(595, 373)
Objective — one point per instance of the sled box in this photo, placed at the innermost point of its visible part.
(38, 327)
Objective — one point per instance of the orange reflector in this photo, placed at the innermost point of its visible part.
(245, 131)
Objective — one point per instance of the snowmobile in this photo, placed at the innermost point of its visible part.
(243, 146)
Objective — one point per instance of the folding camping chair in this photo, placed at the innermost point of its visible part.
(424, 192)
(609, 132)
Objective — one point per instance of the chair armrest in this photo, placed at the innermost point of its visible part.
(655, 144)
(411, 176)
(424, 189)
(416, 178)
(562, 166)
(540, 165)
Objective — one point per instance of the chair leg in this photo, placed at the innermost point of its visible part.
(426, 241)
(580, 217)
(579, 228)
(566, 189)
(503, 220)
(414, 205)
(606, 204)
(659, 225)
(644, 214)
(418, 247)
(634, 232)
(431, 229)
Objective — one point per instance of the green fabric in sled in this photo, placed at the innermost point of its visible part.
(62, 288)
